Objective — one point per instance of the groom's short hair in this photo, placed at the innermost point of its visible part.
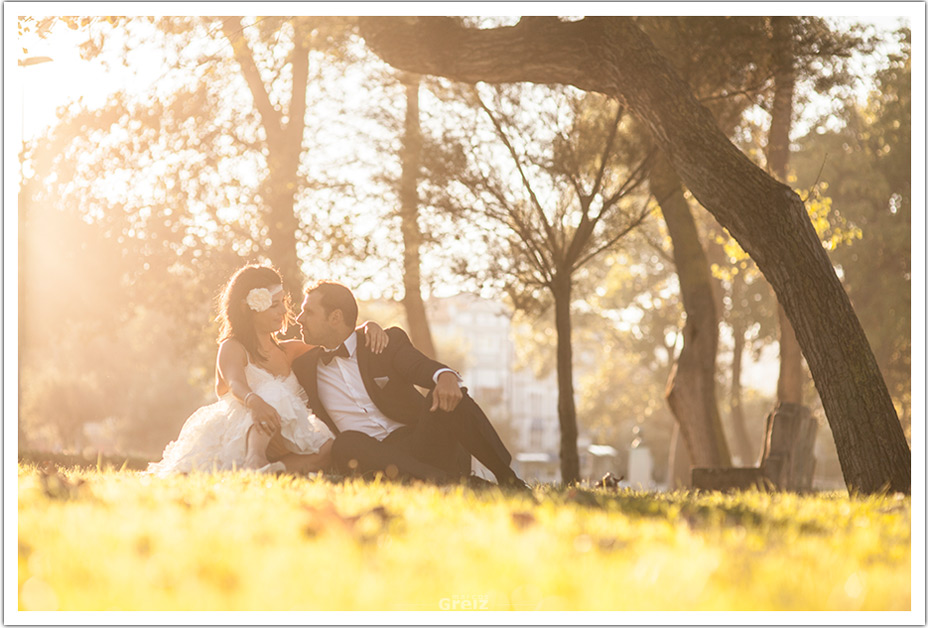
(335, 296)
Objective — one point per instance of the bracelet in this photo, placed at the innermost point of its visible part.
(245, 400)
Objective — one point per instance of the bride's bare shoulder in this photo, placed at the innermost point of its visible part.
(230, 360)
(294, 348)
(232, 349)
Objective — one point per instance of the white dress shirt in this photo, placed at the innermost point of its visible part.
(345, 398)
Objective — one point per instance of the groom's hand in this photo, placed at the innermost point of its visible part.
(447, 393)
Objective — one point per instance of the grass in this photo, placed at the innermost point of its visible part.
(117, 540)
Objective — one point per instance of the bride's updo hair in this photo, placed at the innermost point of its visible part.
(235, 317)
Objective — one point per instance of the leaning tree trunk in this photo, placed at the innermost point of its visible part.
(284, 147)
(691, 386)
(409, 222)
(566, 410)
(613, 56)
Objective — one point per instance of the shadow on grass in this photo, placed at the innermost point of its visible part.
(700, 510)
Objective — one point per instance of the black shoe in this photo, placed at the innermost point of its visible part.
(513, 483)
(477, 483)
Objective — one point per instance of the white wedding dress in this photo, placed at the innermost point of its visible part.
(214, 437)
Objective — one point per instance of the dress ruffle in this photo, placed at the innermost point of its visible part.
(214, 437)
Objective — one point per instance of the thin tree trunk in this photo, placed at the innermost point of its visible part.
(416, 317)
(745, 451)
(679, 465)
(742, 452)
(691, 387)
(566, 410)
(789, 383)
(613, 56)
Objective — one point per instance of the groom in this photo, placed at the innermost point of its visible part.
(380, 421)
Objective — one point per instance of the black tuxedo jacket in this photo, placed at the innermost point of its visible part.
(390, 379)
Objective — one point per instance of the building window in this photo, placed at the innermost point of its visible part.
(536, 403)
(536, 434)
(488, 345)
(488, 395)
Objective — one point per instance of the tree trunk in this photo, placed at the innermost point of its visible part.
(691, 387)
(613, 56)
(742, 451)
(284, 147)
(416, 317)
(790, 428)
(679, 465)
(280, 217)
(789, 384)
(566, 410)
(745, 451)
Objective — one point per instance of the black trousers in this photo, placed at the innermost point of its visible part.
(437, 447)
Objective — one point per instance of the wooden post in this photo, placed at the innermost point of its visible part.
(789, 459)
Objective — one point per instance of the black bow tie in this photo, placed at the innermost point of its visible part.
(341, 351)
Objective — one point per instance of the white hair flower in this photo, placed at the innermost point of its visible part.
(259, 299)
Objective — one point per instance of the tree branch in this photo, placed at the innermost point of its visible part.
(234, 136)
(588, 225)
(543, 219)
(613, 130)
(635, 179)
(508, 215)
(242, 51)
(751, 90)
(442, 45)
(611, 241)
(524, 230)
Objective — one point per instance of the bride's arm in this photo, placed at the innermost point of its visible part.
(231, 362)
(375, 338)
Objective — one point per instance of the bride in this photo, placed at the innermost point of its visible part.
(261, 420)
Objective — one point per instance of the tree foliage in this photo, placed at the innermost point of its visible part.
(567, 193)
